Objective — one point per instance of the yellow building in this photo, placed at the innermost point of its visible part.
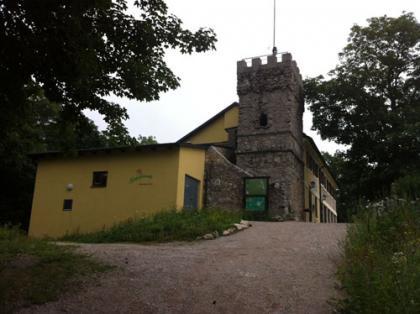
(320, 186)
(101, 187)
(251, 156)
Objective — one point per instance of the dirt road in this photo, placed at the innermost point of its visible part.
(270, 268)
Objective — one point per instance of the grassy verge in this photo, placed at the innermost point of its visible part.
(162, 227)
(380, 272)
(36, 271)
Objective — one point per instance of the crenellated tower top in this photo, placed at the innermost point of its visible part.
(268, 73)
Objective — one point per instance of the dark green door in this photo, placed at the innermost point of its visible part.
(256, 194)
(191, 193)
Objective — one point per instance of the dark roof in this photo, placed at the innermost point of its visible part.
(196, 130)
(312, 142)
(101, 150)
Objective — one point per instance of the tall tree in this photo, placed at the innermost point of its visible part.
(371, 102)
(60, 57)
(81, 51)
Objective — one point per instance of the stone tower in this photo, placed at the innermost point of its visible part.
(270, 135)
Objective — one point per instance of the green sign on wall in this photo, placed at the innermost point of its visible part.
(256, 186)
(256, 191)
(255, 203)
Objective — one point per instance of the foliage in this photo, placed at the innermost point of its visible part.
(350, 180)
(370, 102)
(380, 268)
(117, 135)
(81, 51)
(146, 140)
(162, 227)
(407, 187)
(35, 271)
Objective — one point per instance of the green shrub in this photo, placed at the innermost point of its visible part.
(407, 187)
(380, 270)
(165, 226)
(10, 233)
(36, 271)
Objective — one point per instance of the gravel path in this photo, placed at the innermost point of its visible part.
(269, 268)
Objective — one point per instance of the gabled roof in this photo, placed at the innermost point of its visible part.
(217, 116)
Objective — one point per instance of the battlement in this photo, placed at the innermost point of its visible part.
(268, 72)
(265, 61)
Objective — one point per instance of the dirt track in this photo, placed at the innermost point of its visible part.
(269, 268)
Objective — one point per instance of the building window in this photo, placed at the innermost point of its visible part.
(263, 119)
(99, 179)
(256, 194)
(312, 165)
(68, 205)
(323, 179)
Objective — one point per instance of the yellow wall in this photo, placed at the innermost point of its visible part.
(215, 132)
(232, 118)
(191, 162)
(95, 208)
(310, 177)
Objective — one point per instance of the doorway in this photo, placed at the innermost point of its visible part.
(191, 191)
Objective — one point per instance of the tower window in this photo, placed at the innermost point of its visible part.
(263, 119)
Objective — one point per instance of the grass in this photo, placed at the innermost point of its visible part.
(162, 227)
(37, 271)
(380, 271)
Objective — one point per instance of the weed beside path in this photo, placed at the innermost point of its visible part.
(36, 271)
(380, 270)
(165, 226)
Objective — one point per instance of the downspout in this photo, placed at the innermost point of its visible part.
(320, 192)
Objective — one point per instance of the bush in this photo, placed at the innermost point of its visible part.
(407, 187)
(380, 271)
(162, 227)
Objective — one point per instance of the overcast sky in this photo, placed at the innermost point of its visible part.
(313, 31)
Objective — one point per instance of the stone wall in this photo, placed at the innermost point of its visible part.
(223, 180)
(285, 180)
(273, 148)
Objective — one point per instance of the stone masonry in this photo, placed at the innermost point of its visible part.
(224, 180)
(270, 135)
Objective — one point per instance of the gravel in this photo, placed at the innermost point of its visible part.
(269, 268)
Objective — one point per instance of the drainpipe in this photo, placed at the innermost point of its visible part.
(320, 192)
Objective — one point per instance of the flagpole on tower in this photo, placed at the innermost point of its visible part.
(274, 30)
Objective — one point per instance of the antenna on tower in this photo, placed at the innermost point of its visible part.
(274, 30)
